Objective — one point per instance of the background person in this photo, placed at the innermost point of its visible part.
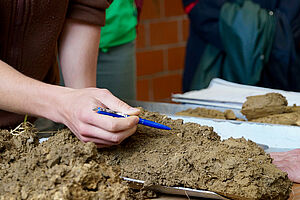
(249, 42)
(116, 69)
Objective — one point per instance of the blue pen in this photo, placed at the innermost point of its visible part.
(145, 122)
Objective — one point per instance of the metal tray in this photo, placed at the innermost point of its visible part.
(138, 184)
(277, 137)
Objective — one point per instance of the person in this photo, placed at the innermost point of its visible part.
(33, 34)
(116, 58)
(289, 162)
(253, 42)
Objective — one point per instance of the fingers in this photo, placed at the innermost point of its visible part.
(293, 173)
(97, 141)
(293, 155)
(113, 103)
(292, 152)
(102, 137)
(288, 162)
(111, 124)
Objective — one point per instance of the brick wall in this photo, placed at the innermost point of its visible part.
(161, 42)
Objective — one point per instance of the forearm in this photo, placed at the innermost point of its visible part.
(78, 52)
(21, 94)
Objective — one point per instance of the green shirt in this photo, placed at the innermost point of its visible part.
(120, 24)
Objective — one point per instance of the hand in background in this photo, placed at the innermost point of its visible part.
(288, 162)
(77, 113)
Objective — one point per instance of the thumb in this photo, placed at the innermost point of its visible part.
(115, 104)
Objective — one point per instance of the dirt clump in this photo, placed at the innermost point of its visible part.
(229, 114)
(271, 108)
(208, 113)
(59, 168)
(13, 145)
(193, 156)
(284, 119)
(264, 105)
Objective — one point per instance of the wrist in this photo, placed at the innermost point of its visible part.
(54, 103)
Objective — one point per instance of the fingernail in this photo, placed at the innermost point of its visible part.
(137, 120)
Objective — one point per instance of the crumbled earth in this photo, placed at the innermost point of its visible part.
(193, 156)
(189, 155)
(284, 119)
(60, 168)
(208, 113)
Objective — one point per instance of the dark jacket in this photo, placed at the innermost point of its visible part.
(283, 67)
(29, 32)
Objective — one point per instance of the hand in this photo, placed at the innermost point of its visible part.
(288, 162)
(77, 114)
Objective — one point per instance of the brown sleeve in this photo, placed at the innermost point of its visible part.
(89, 11)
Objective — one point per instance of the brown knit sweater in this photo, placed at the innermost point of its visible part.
(29, 31)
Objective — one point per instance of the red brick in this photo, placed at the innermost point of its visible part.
(173, 8)
(149, 62)
(142, 90)
(185, 29)
(163, 33)
(176, 58)
(151, 9)
(165, 86)
(141, 36)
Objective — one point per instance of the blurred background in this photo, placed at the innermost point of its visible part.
(161, 41)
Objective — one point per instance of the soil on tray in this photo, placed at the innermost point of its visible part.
(193, 156)
(269, 108)
(292, 118)
(189, 155)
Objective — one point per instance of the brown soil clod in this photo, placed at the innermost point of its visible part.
(229, 114)
(284, 119)
(264, 105)
(208, 113)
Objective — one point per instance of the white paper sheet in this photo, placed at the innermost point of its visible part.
(231, 95)
(277, 137)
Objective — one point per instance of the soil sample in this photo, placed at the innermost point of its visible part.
(270, 108)
(229, 114)
(294, 108)
(208, 113)
(264, 105)
(60, 168)
(284, 119)
(193, 156)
